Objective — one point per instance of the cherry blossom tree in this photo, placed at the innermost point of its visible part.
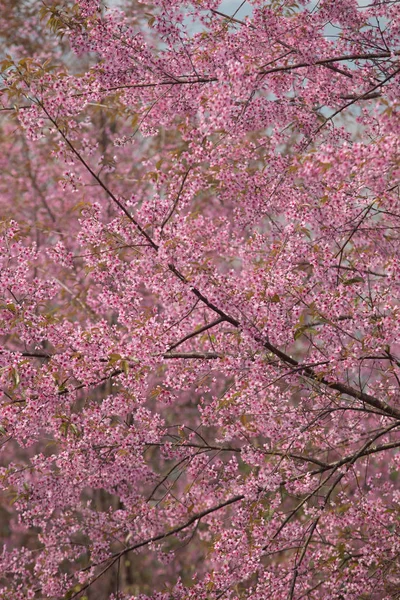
(199, 300)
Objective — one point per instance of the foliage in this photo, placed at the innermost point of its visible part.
(199, 300)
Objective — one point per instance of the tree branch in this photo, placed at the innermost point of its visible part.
(307, 371)
(156, 538)
(194, 333)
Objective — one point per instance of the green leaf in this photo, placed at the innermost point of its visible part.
(74, 429)
(353, 280)
(15, 376)
(73, 591)
(302, 330)
(114, 357)
(125, 366)
(150, 19)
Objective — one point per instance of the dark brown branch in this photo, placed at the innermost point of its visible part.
(167, 355)
(199, 446)
(301, 558)
(367, 452)
(334, 385)
(156, 538)
(98, 179)
(364, 451)
(193, 519)
(197, 332)
(327, 61)
(365, 97)
(354, 270)
(193, 355)
(282, 454)
(306, 371)
(171, 212)
(165, 477)
(357, 98)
